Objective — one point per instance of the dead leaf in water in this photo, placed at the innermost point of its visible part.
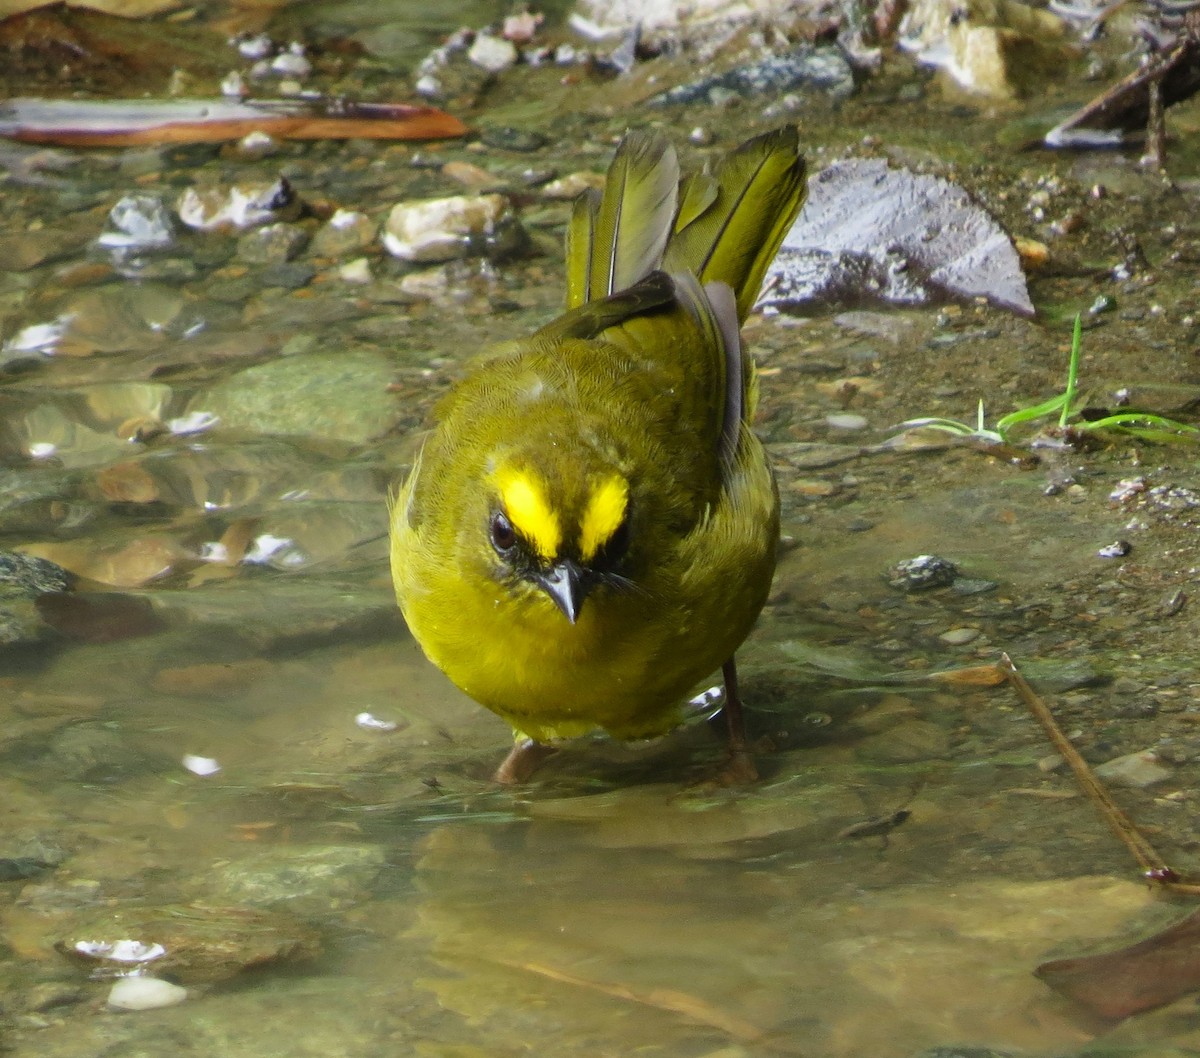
(99, 617)
(1149, 974)
(130, 566)
(127, 482)
(139, 122)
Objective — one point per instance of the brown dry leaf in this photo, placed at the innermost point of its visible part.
(206, 679)
(99, 617)
(237, 538)
(128, 482)
(138, 122)
(975, 676)
(131, 566)
(1149, 974)
(120, 8)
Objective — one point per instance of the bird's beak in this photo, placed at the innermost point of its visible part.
(567, 583)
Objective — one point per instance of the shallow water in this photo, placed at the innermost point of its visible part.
(624, 902)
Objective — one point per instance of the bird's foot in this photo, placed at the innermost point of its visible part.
(522, 761)
(740, 769)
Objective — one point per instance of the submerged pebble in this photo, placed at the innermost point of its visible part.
(441, 229)
(272, 244)
(346, 232)
(493, 54)
(821, 68)
(141, 992)
(1134, 769)
(922, 573)
(239, 206)
(139, 221)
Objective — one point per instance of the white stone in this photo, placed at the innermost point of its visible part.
(202, 766)
(492, 53)
(438, 229)
(356, 271)
(1134, 769)
(144, 993)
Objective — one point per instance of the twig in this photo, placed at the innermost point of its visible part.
(1154, 867)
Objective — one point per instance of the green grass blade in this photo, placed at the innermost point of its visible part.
(1072, 371)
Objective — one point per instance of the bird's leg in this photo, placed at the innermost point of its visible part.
(741, 763)
(522, 761)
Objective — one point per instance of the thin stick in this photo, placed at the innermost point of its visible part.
(1153, 865)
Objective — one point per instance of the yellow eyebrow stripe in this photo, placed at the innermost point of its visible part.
(603, 515)
(525, 504)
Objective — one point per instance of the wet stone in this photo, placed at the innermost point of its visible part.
(194, 944)
(922, 573)
(1134, 769)
(957, 637)
(21, 625)
(342, 397)
(52, 995)
(20, 868)
(507, 138)
(272, 244)
(138, 221)
(313, 879)
(972, 586)
(235, 291)
(493, 54)
(291, 275)
(346, 232)
(824, 69)
(25, 575)
(442, 229)
(144, 993)
(93, 753)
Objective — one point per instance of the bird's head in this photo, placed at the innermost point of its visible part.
(562, 529)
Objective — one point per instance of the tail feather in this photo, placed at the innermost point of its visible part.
(760, 188)
(618, 238)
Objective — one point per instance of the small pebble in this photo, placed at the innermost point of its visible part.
(202, 766)
(846, 422)
(144, 993)
(356, 271)
(922, 573)
(957, 637)
(493, 54)
(370, 722)
(1117, 549)
(1134, 769)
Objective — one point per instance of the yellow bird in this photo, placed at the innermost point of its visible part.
(590, 528)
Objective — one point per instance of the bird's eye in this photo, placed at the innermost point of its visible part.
(504, 537)
(616, 546)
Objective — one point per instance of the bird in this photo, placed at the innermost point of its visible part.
(590, 526)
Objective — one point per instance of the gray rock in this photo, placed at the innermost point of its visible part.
(346, 232)
(822, 68)
(93, 753)
(307, 879)
(870, 233)
(26, 576)
(334, 396)
(272, 244)
(1134, 769)
(922, 573)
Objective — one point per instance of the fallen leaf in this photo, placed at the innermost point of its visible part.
(134, 122)
(127, 482)
(137, 563)
(1149, 974)
(99, 617)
